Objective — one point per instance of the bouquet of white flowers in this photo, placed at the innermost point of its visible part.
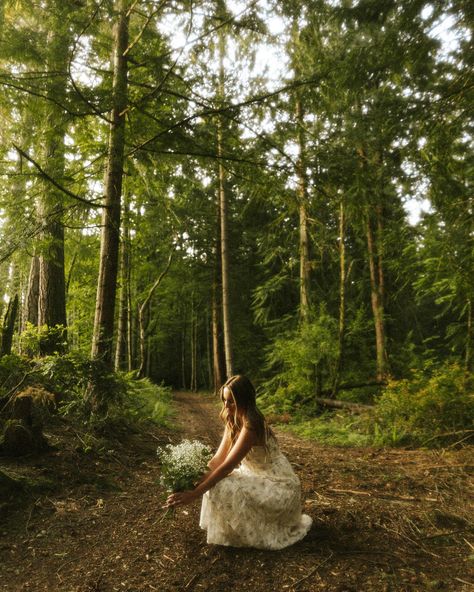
(183, 464)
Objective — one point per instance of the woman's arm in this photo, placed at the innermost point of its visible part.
(218, 457)
(244, 443)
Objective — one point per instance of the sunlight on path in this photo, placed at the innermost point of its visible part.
(197, 415)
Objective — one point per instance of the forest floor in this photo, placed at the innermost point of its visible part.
(384, 520)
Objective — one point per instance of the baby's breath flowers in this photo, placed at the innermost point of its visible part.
(183, 464)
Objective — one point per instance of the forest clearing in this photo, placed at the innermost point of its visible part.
(272, 191)
(385, 520)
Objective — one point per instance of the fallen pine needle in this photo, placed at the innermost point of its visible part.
(468, 543)
(192, 580)
(308, 575)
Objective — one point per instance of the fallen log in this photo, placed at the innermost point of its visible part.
(348, 386)
(325, 398)
(338, 404)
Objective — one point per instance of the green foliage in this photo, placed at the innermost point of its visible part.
(332, 429)
(426, 408)
(34, 340)
(13, 369)
(69, 377)
(67, 374)
(78, 376)
(150, 401)
(386, 120)
(300, 358)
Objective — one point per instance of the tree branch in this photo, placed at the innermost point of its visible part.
(45, 175)
(155, 285)
(141, 314)
(143, 29)
(45, 97)
(224, 110)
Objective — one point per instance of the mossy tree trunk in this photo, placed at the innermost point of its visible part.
(8, 327)
(102, 341)
(51, 283)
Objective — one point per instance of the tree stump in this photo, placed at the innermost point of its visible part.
(23, 432)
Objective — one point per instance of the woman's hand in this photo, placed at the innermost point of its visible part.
(180, 499)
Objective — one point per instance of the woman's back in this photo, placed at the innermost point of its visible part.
(268, 460)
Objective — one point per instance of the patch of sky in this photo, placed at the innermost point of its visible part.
(416, 203)
(83, 67)
(450, 34)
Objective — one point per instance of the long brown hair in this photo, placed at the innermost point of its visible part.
(246, 412)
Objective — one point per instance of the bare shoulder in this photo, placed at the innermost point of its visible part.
(249, 434)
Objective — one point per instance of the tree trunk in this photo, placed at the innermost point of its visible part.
(142, 323)
(148, 354)
(8, 327)
(208, 349)
(377, 305)
(52, 288)
(342, 299)
(302, 193)
(193, 347)
(102, 341)
(121, 353)
(380, 253)
(32, 294)
(52, 284)
(130, 324)
(143, 316)
(70, 272)
(217, 365)
(223, 211)
(183, 352)
(226, 322)
(218, 358)
(335, 404)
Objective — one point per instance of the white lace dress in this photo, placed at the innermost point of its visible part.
(258, 505)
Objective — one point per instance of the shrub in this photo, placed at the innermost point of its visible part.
(425, 408)
(37, 340)
(149, 401)
(13, 370)
(299, 359)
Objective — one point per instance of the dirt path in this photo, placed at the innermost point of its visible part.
(384, 520)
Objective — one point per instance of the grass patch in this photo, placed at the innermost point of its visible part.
(332, 429)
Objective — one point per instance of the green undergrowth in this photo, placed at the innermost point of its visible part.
(333, 429)
(431, 408)
(61, 381)
(140, 404)
(149, 401)
(428, 409)
(57, 386)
